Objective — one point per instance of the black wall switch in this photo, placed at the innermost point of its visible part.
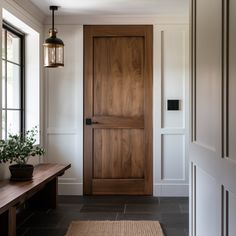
(173, 105)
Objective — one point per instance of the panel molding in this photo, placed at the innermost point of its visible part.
(225, 79)
(193, 209)
(174, 131)
(202, 145)
(230, 213)
(62, 131)
(193, 71)
(162, 186)
(163, 178)
(211, 140)
(217, 168)
(171, 190)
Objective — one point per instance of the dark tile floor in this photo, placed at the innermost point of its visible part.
(171, 212)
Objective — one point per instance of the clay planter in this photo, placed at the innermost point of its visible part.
(21, 172)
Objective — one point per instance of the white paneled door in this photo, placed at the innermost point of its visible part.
(213, 136)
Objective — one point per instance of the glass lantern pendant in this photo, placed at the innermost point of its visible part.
(53, 46)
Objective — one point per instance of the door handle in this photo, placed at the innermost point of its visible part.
(88, 121)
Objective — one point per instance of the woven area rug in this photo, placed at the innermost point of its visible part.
(115, 228)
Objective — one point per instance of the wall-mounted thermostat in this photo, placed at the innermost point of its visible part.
(173, 105)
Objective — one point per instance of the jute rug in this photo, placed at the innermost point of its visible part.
(115, 228)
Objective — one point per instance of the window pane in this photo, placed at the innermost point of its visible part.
(13, 47)
(11, 82)
(3, 124)
(13, 122)
(13, 86)
(3, 43)
(3, 84)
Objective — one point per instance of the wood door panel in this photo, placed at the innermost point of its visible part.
(118, 122)
(118, 186)
(118, 109)
(118, 76)
(118, 153)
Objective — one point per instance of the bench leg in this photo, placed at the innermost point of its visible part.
(8, 222)
(12, 221)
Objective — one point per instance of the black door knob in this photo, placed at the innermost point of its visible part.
(88, 121)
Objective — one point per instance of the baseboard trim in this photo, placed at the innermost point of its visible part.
(171, 190)
(70, 189)
(159, 190)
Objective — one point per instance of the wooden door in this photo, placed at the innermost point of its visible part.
(213, 149)
(118, 110)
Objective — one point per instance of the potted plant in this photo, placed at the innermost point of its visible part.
(17, 149)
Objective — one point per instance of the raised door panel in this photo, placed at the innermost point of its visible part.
(208, 212)
(118, 76)
(231, 83)
(118, 153)
(206, 148)
(231, 201)
(208, 74)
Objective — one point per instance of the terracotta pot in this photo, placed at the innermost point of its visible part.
(21, 172)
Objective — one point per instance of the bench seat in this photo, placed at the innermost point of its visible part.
(42, 189)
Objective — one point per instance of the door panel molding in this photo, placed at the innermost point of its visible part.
(213, 66)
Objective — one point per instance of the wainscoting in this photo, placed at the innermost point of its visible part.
(64, 108)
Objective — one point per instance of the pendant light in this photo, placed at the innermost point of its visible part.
(53, 46)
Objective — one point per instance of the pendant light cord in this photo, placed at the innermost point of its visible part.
(53, 9)
(53, 19)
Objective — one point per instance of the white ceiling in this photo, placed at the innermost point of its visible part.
(116, 7)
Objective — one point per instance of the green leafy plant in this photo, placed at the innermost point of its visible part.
(19, 147)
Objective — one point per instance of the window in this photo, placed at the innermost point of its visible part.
(12, 81)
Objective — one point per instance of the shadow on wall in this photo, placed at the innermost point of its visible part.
(4, 171)
(4, 168)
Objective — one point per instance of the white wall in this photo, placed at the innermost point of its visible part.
(29, 21)
(64, 103)
(64, 111)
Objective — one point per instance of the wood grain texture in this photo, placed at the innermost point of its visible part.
(118, 153)
(13, 194)
(12, 221)
(88, 108)
(118, 186)
(118, 76)
(118, 122)
(118, 98)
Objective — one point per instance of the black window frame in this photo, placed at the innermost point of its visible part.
(9, 28)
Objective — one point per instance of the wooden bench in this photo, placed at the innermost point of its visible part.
(41, 190)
